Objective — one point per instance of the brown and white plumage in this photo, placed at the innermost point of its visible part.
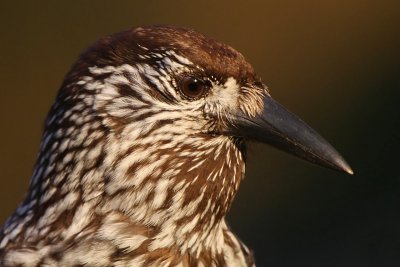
(139, 160)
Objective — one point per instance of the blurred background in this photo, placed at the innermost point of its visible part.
(334, 63)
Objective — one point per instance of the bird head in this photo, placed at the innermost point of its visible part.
(168, 76)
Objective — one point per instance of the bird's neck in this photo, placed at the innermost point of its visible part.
(174, 194)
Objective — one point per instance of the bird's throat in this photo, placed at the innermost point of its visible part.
(181, 197)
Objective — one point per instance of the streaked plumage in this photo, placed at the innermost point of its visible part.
(137, 167)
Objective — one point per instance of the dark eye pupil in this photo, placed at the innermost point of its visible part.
(193, 87)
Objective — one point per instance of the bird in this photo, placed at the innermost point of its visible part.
(143, 152)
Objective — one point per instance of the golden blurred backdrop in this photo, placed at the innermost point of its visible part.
(334, 63)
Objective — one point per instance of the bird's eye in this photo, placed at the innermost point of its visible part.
(192, 88)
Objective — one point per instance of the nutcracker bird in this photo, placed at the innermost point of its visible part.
(143, 152)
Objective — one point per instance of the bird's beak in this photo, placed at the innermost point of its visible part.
(279, 127)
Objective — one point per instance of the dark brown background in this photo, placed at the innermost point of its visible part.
(334, 63)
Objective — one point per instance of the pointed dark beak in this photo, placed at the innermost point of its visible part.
(279, 127)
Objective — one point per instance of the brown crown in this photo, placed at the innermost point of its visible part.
(125, 47)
